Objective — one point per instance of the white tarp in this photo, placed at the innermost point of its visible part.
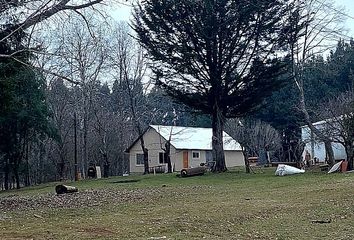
(336, 167)
(283, 170)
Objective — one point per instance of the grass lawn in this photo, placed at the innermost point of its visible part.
(232, 205)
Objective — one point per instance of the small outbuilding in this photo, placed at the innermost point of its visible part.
(190, 147)
(315, 148)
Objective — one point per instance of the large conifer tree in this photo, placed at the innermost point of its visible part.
(23, 109)
(217, 56)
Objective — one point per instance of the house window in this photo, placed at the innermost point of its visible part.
(139, 159)
(196, 155)
(162, 158)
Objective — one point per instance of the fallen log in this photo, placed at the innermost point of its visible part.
(188, 172)
(61, 189)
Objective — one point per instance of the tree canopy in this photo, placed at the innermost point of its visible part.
(219, 57)
(23, 113)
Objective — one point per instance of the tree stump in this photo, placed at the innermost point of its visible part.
(61, 189)
(188, 172)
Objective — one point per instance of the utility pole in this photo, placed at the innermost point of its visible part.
(75, 148)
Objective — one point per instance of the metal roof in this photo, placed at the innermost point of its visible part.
(194, 138)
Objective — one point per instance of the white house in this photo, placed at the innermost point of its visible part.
(189, 147)
(316, 147)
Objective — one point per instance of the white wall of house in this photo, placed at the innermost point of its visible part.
(178, 163)
(196, 161)
(153, 142)
(234, 158)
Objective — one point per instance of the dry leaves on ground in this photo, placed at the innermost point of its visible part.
(88, 198)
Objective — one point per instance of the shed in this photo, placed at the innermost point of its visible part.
(315, 147)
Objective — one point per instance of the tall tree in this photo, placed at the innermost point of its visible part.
(340, 68)
(129, 68)
(103, 118)
(23, 110)
(255, 137)
(37, 18)
(60, 100)
(81, 56)
(23, 116)
(220, 57)
(19, 16)
(280, 110)
(316, 26)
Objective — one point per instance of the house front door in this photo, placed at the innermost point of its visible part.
(185, 159)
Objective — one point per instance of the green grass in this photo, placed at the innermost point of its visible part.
(232, 205)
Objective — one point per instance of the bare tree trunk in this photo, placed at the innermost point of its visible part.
(146, 156)
(104, 151)
(85, 153)
(146, 161)
(62, 161)
(218, 122)
(106, 168)
(329, 152)
(27, 179)
(327, 142)
(319, 134)
(328, 146)
(350, 154)
(76, 176)
(17, 177)
(106, 164)
(167, 156)
(7, 173)
(308, 45)
(247, 162)
(140, 133)
(42, 160)
(15, 168)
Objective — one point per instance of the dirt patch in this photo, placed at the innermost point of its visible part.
(86, 198)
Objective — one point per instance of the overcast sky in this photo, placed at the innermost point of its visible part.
(124, 13)
(349, 10)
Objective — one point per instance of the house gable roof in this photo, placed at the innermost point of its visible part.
(136, 140)
(331, 120)
(194, 138)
